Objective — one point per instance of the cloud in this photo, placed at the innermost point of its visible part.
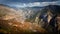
(26, 1)
(40, 4)
(19, 3)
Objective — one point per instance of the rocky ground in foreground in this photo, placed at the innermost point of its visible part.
(14, 27)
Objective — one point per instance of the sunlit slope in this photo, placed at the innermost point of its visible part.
(6, 13)
(12, 21)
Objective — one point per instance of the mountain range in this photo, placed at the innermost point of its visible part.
(12, 19)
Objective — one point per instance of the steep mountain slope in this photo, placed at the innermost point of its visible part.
(55, 10)
(12, 22)
(25, 20)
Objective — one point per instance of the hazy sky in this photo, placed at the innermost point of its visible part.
(29, 3)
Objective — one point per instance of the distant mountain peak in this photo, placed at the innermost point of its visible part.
(4, 5)
(53, 8)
